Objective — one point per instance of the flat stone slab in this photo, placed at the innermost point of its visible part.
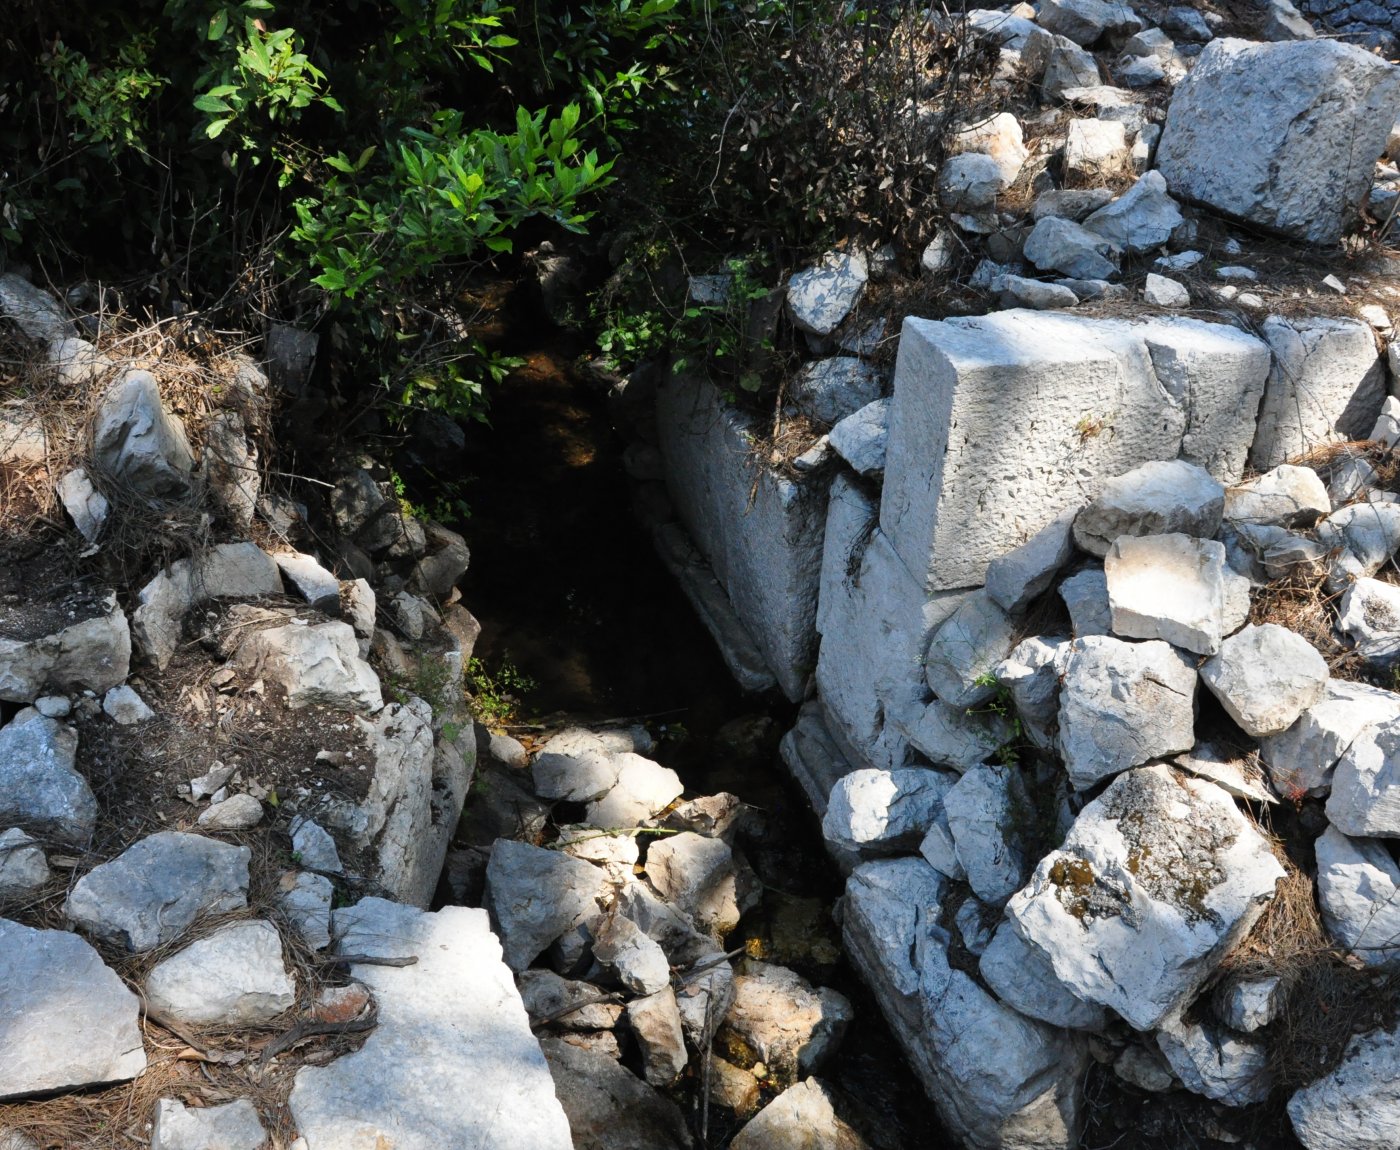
(1176, 588)
(66, 1020)
(232, 1126)
(452, 1061)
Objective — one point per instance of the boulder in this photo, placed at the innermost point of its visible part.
(616, 854)
(535, 895)
(1370, 617)
(778, 1018)
(1157, 880)
(1123, 704)
(1319, 110)
(1287, 496)
(860, 438)
(1157, 498)
(313, 847)
(956, 738)
(1354, 1106)
(230, 1126)
(609, 1107)
(1095, 151)
(233, 977)
(1086, 21)
(574, 766)
(655, 1022)
(317, 665)
(820, 298)
(1174, 587)
(643, 789)
(452, 1018)
(998, 136)
(1021, 976)
(1364, 536)
(1209, 1060)
(969, 182)
(155, 889)
(1365, 798)
(312, 581)
(701, 877)
(125, 707)
(1358, 891)
(881, 812)
(39, 786)
(437, 572)
(966, 648)
(637, 961)
(1265, 677)
(989, 814)
(92, 655)
(1057, 244)
(1300, 760)
(1067, 67)
(1164, 292)
(802, 1117)
(1327, 383)
(35, 312)
(66, 1020)
(1018, 291)
(137, 443)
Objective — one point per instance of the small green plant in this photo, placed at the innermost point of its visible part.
(1003, 707)
(495, 697)
(432, 680)
(722, 334)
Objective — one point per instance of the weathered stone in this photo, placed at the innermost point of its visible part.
(1174, 587)
(139, 444)
(151, 892)
(1326, 383)
(1057, 244)
(638, 961)
(312, 581)
(313, 847)
(1031, 673)
(546, 995)
(1123, 704)
(1233, 772)
(35, 312)
(965, 650)
(998, 136)
(39, 786)
(235, 976)
(305, 901)
(820, 298)
(609, 1107)
(453, 1018)
(1287, 496)
(778, 1018)
(1164, 292)
(1021, 976)
(812, 757)
(86, 506)
(1354, 1107)
(231, 468)
(23, 867)
(1265, 677)
(93, 655)
(236, 813)
(1086, 598)
(879, 812)
(701, 877)
(1095, 150)
(956, 738)
(574, 766)
(535, 895)
(317, 665)
(1364, 535)
(1144, 1067)
(655, 1022)
(66, 1020)
(1157, 498)
(125, 707)
(1215, 1063)
(1250, 1004)
(1318, 110)
(986, 812)
(969, 182)
(643, 789)
(230, 1126)
(731, 1087)
(616, 854)
(1018, 291)
(1300, 760)
(1365, 798)
(1370, 617)
(1358, 891)
(802, 1117)
(437, 572)
(1068, 68)
(1085, 21)
(861, 437)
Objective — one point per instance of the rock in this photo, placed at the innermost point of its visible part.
(1145, 1068)
(574, 766)
(39, 787)
(617, 854)
(880, 812)
(437, 573)
(1300, 760)
(545, 995)
(1094, 151)
(998, 136)
(637, 961)
(1174, 587)
(643, 789)
(802, 1117)
(1287, 496)
(53, 706)
(508, 751)
(1327, 383)
(1216, 1063)
(535, 895)
(969, 182)
(820, 298)
(1157, 498)
(413, 616)
(238, 813)
(1150, 42)
(66, 1020)
(231, 1126)
(1143, 71)
(1365, 536)
(1365, 798)
(1370, 617)
(1031, 674)
(1233, 772)
(1282, 21)
(362, 513)
(1187, 23)
(312, 581)
(1158, 878)
(1061, 245)
(609, 1107)
(1164, 292)
(452, 1018)
(228, 571)
(988, 813)
(137, 443)
(729, 1087)
(1358, 891)
(1018, 291)
(966, 649)
(35, 312)
(93, 655)
(86, 506)
(1123, 704)
(1265, 677)
(860, 438)
(952, 737)
(1021, 976)
(305, 901)
(701, 878)
(125, 707)
(154, 890)
(23, 867)
(1317, 109)
(778, 1018)
(1250, 1004)
(1086, 598)
(1086, 21)
(1354, 1106)
(359, 605)
(231, 468)
(313, 847)
(655, 1022)
(941, 253)
(1068, 67)
(317, 665)
(234, 977)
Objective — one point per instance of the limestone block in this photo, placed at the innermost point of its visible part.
(1353, 1107)
(966, 649)
(1174, 587)
(93, 655)
(1157, 498)
(1365, 798)
(821, 297)
(39, 786)
(882, 812)
(535, 895)
(1358, 892)
(1265, 677)
(137, 442)
(235, 976)
(230, 1126)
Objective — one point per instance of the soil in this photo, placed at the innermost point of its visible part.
(41, 592)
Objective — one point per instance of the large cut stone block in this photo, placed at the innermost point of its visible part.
(1001, 422)
(761, 531)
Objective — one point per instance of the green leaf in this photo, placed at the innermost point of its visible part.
(216, 127)
(218, 25)
(497, 243)
(340, 164)
(208, 102)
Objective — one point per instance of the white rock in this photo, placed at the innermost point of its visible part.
(235, 976)
(1216, 1063)
(66, 1020)
(313, 847)
(1172, 587)
(1158, 878)
(1061, 245)
(828, 390)
(137, 442)
(617, 854)
(1021, 976)
(1301, 759)
(941, 253)
(860, 438)
(86, 506)
(1164, 292)
(1386, 429)
(1234, 773)
(1354, 1107)
(701, 878)
(1365, 798)
(125, 707)
(1085, 21)
(53, 706)
(317, 665)
(1370, 617)
(23, 867)
(1018, 291)
(237, 813)
(1094, 151)
(39, 786)
(637, 960)
(1364, 535)
(535, 895)
(998, 136)
(312, 581)
(880, 812)
(92, 655)
(1358, 892)
(986, 811)
(1157, 498)
(782, 1020)
(452, 1018)
(231, 1126)
(821, 297)
(1123, 704)
(608, 1106)
(1287, 496)
(1086, 598)
(1265, 677)
(643, 789)
(1250, 1004)
(305, 900)
(966, 649)
(1031, 673)
(1068, 69)
(1248, 110)
(953, 737)
(1025, 573)
(655, 1022)
(575, 767)
(969, 182)
(151, 892)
